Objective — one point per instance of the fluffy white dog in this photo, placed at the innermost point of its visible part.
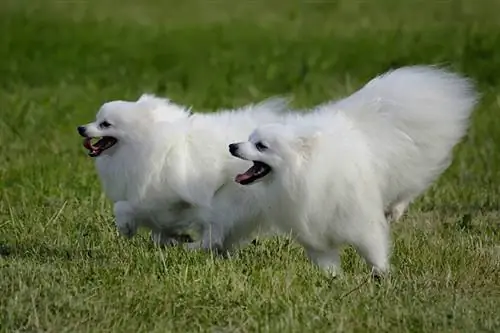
(336, 175)
(167, 169)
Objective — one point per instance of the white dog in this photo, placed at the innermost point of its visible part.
(334, 176)
(167, 169)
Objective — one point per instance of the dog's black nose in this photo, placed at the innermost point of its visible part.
(81, 130)
(233, 148)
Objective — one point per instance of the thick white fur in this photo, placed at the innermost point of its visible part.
(340, 172)
(170, 170)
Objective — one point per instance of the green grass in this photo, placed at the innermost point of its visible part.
(63, 268)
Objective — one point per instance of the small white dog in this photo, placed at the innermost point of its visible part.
(167, 169)
(336, 175)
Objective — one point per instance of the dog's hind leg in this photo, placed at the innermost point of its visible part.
(329, 260)
(395, 212)
(373, 244)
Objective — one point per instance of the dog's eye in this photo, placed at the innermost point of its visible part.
(104, 124)
(260, 146)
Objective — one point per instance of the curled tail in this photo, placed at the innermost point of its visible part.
(412, 117)
(425, 102)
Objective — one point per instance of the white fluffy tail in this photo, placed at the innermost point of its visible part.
(418, 100)
(413, 117)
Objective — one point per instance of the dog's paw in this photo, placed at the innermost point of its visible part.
(204, 246)
(379, 275)
(194, 246)
(211, 240)
(161, 239)
(126, 230)
(334, 272)
(164, 238)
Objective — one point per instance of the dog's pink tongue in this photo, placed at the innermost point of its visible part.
(242, 177)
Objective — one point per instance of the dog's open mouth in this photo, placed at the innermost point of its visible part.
(256, 172)
(96, 146)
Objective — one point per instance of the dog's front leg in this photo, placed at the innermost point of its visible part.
(125, 218)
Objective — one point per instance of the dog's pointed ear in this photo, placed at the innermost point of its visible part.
(307, 140)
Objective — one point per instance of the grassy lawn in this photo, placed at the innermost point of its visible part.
(63, 268)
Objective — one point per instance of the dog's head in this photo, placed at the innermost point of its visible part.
(273, 148)
(119, 122)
